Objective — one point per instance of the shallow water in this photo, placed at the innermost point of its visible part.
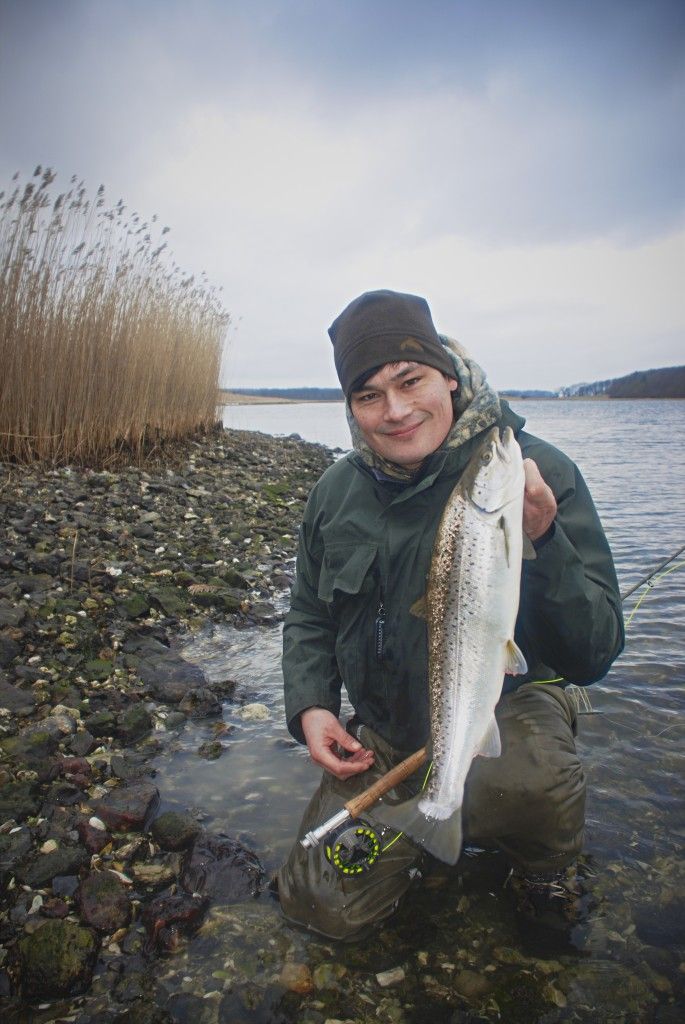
(623, 958)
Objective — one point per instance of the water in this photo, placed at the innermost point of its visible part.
(622, 960)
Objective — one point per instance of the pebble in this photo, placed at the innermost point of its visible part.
(394, 976)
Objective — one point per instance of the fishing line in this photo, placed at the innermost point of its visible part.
(650, 581)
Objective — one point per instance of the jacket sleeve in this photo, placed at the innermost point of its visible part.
(310, 671)
(570, 603)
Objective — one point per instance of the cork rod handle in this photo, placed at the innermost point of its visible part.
(391, 779)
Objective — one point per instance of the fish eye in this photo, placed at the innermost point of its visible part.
(487, 457)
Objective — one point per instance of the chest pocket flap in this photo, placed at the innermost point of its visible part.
(346, 569)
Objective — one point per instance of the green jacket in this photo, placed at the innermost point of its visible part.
(364, 554)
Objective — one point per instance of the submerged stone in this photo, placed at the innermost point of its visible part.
(67, 860)
(172, 915)
(223, 868)
(57, 960)
(174, 831)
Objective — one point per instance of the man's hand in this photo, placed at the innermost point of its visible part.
(539, 503)
(324, 733)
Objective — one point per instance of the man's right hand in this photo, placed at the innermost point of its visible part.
(324, 734)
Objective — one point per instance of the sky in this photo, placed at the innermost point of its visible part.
(519, 164)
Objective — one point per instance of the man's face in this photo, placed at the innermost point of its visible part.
(405, 411)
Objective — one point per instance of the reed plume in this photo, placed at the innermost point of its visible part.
(105, 346)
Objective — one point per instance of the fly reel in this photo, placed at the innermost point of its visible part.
(353, 848)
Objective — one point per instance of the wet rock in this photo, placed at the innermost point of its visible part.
(13, 849)
(9, 650)
(221, 867)
(94, 839)
(169, 678)
(10, 614)
(101, 723)
(129, 766)
(133, 724)
(32, 749)
(471, 985)
(67, 860)
(57, 960)
(171, 600)
(200, 703)
(171, 916)
(65, 885)
(104, 902)
(154, 876)
(127, 808)
(136, 606)
(211, 750)
(297, 978)
(55, 908)
(328, 975)
(661, 925)
(18, 800)
(82, 743)
(254, 713)
(17, 701)
(174, 831)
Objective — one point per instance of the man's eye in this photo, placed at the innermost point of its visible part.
(411, 381)
(368, 397)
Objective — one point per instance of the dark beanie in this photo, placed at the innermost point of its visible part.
(385, 327)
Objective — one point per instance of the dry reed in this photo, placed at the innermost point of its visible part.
(105, 347)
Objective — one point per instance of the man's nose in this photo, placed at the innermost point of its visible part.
(397, 405)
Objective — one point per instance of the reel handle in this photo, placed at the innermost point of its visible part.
(398, 774)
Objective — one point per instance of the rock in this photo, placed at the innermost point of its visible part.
(57, 960)
(19, 702)
(297, 978)
(155, 876)
(174, 831)
(211, 750)
(18, 800)
(13, 849)
(254, 712)
(394, 976)
(171, 600)
(172, 915)
(471, 985)
(94, 839)
(135, 606)
(133, 724)
(65, 885)
(328, 975)
(127, 808)
(32, 749)
(10, 614)
(170, 677)
(221, 867)
(67, 860)
(200, 703)
(104, 902)
(129, 766)
(82, 743)
(100, 723)
(9, 650)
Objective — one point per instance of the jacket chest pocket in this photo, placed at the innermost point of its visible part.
(346, 570)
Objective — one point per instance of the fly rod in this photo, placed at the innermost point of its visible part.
(358, 804)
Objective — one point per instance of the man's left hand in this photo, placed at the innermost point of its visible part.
(539, 503)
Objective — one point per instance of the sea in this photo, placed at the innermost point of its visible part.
(619, 953)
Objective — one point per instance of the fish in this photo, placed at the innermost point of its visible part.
(471, 604)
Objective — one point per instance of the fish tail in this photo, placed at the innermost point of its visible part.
(439, 836)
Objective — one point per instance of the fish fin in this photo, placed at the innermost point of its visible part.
(440, 837)
(491, 744)
(419, 609)
(529, 553)
(515, 664)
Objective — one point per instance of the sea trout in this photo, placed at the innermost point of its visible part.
(471, 605)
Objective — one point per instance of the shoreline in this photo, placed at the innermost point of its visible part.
(102, 574)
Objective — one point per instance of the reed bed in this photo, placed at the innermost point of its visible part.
(106, 347)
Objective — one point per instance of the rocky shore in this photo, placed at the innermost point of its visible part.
(101, 573)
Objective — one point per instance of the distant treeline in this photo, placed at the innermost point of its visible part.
(294, 394)
(666, 382)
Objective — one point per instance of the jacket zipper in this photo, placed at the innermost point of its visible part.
(379, 628)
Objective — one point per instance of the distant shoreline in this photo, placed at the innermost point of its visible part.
(231, 398)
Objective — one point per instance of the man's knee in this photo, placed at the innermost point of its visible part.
(530, 801)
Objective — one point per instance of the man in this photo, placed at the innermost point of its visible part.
(418, 407)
